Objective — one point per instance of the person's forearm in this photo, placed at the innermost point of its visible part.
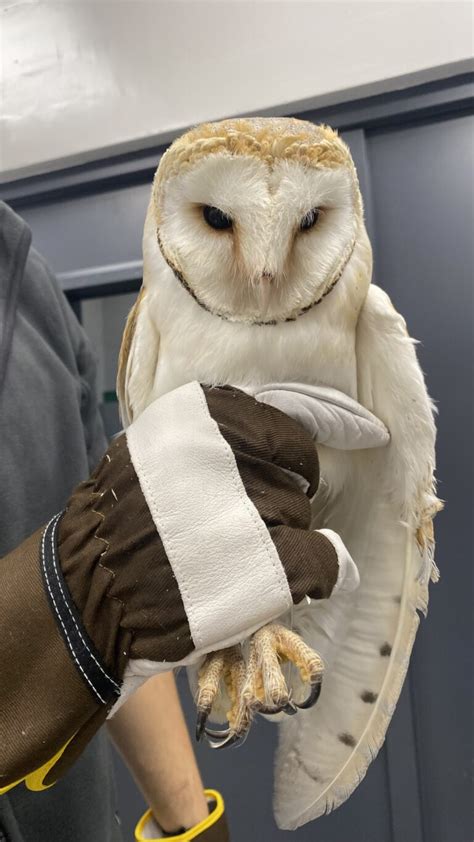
(150, 732)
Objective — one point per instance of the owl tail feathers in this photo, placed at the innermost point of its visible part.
(324, 753)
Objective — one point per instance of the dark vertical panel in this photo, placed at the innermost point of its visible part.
(403, 770)
(95, 229)
(356, 140)
(423, 202)
(76, 307)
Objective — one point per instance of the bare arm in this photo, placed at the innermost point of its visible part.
(150, 732)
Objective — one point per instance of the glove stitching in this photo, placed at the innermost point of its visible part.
(108, 570)
(55, 562)
(96, 693)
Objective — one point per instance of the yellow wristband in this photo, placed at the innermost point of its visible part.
(188, 835)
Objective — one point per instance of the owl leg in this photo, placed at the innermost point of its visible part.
(266, 690)
(257, 686)
(253, 687)
(227, 665)
(291, 647)
(274, 644)
(209, 680)
(239, 716)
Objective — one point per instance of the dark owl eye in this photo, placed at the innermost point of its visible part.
(309, 220)
(216, 218)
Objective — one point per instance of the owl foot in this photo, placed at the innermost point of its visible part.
(258, 685)
(269, 648)
(210, 676)
(227, 665)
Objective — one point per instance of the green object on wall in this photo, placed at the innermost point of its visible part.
(110, 397)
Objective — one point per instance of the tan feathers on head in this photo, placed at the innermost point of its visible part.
(269, 139)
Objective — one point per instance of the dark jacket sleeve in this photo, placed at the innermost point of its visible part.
(86, 362)
(44, 703)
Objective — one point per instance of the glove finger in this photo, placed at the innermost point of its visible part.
(330, 416)
(317, 563)
(263, 432)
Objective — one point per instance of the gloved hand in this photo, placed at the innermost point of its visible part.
(190, 534)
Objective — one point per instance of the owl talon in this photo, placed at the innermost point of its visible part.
(201, 720)
(226, 667)
(312, 698)
(210, 676)
(216, 735)
(231, 740)
(269, 710)
(256, 685)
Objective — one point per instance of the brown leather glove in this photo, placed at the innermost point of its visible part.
(192, 532)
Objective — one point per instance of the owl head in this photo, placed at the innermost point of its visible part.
(251, 222)
(257, 218)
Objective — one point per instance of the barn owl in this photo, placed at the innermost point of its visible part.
(257, 269)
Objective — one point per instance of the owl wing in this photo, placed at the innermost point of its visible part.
(138, 359)
(384, 515)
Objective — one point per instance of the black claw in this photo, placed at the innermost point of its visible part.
(201, 720)
(270, 710)
(312, 698)
(231, 740)
(266, 710)
(217, 735)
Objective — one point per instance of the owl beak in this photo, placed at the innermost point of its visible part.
(265, 290)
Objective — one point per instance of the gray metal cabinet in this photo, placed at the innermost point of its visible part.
(414, 156)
